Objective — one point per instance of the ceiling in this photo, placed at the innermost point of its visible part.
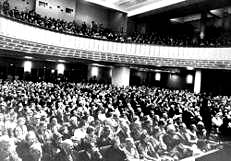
(186, 8)
(135, 7)
(217, 13)
(146, 9)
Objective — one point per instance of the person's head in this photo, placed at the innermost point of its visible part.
(136, 118)
(29, 115)
(54, 121)
(21, 121)
(156, 129)
(219, 114)
(64, 129)
(7, 118)
(36, 119)
(200, 125)
(74, 121)
(165, 116)
(17, 133)
(171, 130)
(67, 146)
(180, 119)
(57, 138)
(106, 131)
(182, 127)
(162, 123)
(129, 142)
(193, 127)
(1, 117)
(116, 116)
(144, 136)
(90, 130)
(31, 138)
(43, 126)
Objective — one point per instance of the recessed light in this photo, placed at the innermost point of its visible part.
(189, 68)
(28, 57)
(61, 61)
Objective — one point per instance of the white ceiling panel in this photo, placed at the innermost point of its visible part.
(134, 7)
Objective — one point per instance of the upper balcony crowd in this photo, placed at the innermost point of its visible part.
(99, 32)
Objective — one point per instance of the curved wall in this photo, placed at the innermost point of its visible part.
(48, 42)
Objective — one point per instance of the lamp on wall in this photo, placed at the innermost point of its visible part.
(60, 68)
(189, 79)
(94, 71)
(27, 66)
(157, 76)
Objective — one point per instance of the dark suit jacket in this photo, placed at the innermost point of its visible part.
(111, 153)
(83, 156)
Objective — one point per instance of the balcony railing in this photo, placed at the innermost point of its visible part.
(24, 32)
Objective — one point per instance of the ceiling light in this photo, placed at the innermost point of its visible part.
(189, 68)
(28, 57)
(61, 61)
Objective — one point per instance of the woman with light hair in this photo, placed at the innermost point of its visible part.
(8, 149)
(145, 148)
(20, 130)
(66, 153)
(131, 150)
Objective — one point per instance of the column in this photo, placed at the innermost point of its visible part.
(121, 76)
(197, 82)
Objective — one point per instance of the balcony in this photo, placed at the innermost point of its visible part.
(24, 38)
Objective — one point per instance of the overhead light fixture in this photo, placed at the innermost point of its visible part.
(189, 68)
(189, 79)
(28, 57)
(61, 61)
(50, 60)
(60, 68)
(157, 76)
(94, 71)
(27, 66)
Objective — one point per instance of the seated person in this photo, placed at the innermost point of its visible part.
(67, 153)
(171, 143)
(131, 150)
(187, 141)
(90, 153)
(145, 148)
(113, 152)
(105, 137)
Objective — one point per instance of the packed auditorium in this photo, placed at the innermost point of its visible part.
(115, 80)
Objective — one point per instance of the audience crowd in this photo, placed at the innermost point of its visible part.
(94, 30)
(95, 122)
